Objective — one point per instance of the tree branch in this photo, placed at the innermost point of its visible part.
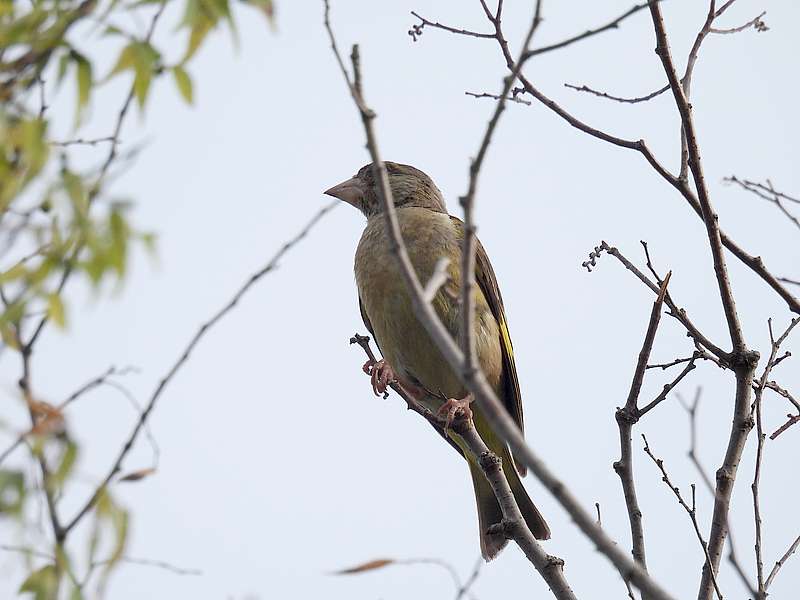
(692, 512)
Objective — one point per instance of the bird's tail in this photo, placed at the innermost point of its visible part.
(489, 512)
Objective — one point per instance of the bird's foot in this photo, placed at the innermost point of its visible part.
(450, 409)
(381, 376)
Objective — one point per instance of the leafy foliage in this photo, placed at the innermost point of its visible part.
(59, 223)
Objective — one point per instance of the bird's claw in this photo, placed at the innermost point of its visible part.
(451, 407)
(381, 376)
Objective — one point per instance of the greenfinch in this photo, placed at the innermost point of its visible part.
(410, 357)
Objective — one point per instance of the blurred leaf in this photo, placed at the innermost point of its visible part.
(267, 7)
(150, 241)
(42, 583)
(144, 62)
(198, 33)
(76, 193)
(12, 491)
(125, 60)
(48, 418)
(110, 512)
(18, 271)
(367, 566)
(9, 335)
(55, 309)
(137, 475)
(184, 83)
(118, 251)
(84, 76)
(67, 463)
(76, 593)
(63, 64)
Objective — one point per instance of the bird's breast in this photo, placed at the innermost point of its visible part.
(403, 340)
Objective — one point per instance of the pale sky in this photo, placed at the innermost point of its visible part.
(277, 464)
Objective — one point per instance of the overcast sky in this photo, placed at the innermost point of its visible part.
(277, 463)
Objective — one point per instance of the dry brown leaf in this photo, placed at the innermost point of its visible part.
(47, 418)
(137, 475)
(371, 565)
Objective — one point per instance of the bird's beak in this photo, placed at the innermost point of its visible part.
(351, 191)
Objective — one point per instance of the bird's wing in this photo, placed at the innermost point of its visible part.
(365, 318)
(509, 383)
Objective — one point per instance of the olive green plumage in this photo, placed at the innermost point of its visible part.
(430, 234)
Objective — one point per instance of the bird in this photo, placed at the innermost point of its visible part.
(410, 357)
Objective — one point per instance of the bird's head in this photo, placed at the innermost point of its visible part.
(410, 187)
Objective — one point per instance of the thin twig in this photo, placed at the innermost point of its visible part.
(162, 384)
(623, 100)
(768, 193)
(781, 561)
(756, 23)
(675, 311)
(511, 98)
(588, 33)
(691, 511)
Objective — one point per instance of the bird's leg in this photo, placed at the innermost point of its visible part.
(452, 406)
(381, 375)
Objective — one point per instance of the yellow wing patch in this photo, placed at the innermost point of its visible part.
(506, 338)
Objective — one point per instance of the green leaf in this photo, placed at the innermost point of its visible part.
(18, 271)
(119, 231)
(42, 583)
(67, 463)
(84, 77)
(8, 334)
(63, 63)
(125, 60)
(144, 62)
(12, 491)
(199, 32)
(184, 83)
(76, 193)
(55, 309)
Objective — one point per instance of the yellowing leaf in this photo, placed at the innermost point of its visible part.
(124, 60)
(42, 583)
(137, 475)
(83, 73)
(55, 309)
(196, 37)
(184, 83)
(371, 565)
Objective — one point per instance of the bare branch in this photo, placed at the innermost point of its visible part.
(416, 30)
(768, 193)
(668, 388)
(588, 33)
(781, 561)
(511, 98)
(756, 23)
(635, 100)
(626, 417)
(691, 511)
(680, 91)
(675, 311)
